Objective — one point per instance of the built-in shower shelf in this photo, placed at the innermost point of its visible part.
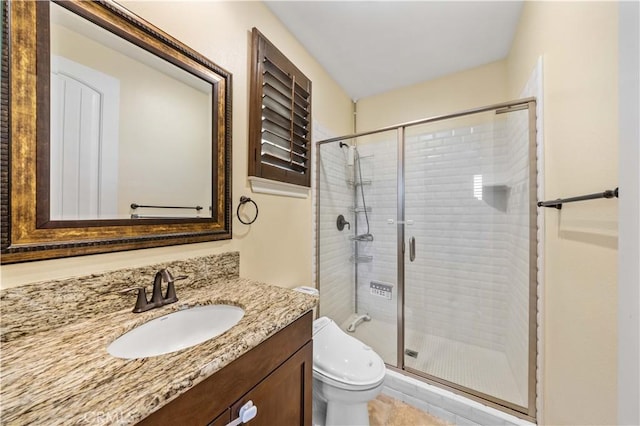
(361, 259)
(499, 181)
(359, 209)
(496, 186)
(358, 183)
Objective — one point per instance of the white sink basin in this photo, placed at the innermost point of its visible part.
(176, 331)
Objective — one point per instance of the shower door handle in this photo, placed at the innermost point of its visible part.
(412, 249)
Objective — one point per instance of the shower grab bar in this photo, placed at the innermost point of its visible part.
(136, 206)
(558, 203)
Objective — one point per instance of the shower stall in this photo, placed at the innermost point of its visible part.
(426, 248)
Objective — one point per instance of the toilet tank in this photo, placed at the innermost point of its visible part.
(312, 291)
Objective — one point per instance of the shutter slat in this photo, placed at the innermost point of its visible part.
(274, 117)
(276, 130)
(280, 152)
(275, 151)
(273, 94)
(275, 71)
(304, 103)
(300, 151)
(282, 164)
(301, 130)
(300, 121)
(300, 112)
(277, 85)
(285, 143)
(275, 139)
(303, 92)
(299, 139)
(277, 108)
(278, 126)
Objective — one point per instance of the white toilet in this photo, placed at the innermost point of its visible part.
(346, 375)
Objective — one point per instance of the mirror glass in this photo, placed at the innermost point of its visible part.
(127, 129)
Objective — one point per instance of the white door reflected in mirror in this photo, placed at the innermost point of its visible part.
(84, 142)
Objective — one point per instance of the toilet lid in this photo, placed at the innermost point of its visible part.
(344, 358)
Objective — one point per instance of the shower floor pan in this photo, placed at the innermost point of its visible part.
(481, 369)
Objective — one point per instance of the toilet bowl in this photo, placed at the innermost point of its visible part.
(346, 375)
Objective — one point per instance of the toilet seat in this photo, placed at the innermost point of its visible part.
(343, 385)
(342, 360)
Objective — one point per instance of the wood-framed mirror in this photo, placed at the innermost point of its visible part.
(115, 135)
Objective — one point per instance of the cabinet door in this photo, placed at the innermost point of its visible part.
(213, 396)
(222, 420)
(284, 396)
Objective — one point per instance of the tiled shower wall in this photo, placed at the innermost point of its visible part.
(459, 271)
(336, 283)
(456, 287)
(379, 173)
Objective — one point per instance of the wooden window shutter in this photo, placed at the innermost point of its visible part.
(279, 116)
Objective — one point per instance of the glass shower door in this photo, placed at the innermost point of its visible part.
(357, 261)
(467, 258)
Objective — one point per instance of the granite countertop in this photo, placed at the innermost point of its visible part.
(64, 375)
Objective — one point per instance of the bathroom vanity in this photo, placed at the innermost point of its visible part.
(56, 368)
(276, 376)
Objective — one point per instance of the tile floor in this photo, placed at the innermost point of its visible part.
(477, 368)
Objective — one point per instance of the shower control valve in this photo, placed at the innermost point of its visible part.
(341, 222)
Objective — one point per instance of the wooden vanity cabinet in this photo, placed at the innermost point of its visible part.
(276, 375)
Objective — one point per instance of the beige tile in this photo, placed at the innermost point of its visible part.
(387, 411)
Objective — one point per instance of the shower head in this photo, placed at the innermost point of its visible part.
(342, 145)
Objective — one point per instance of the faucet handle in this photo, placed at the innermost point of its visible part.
(170, 296)
(141, 302)
(166, 275)
(127, 290)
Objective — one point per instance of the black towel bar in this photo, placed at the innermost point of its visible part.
(558, 203)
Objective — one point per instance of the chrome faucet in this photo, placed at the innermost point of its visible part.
(157, 300)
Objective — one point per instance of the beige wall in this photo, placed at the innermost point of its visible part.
(476, 87)
(578, 42)
(277, 248)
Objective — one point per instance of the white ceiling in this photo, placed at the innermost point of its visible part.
(371, 47)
